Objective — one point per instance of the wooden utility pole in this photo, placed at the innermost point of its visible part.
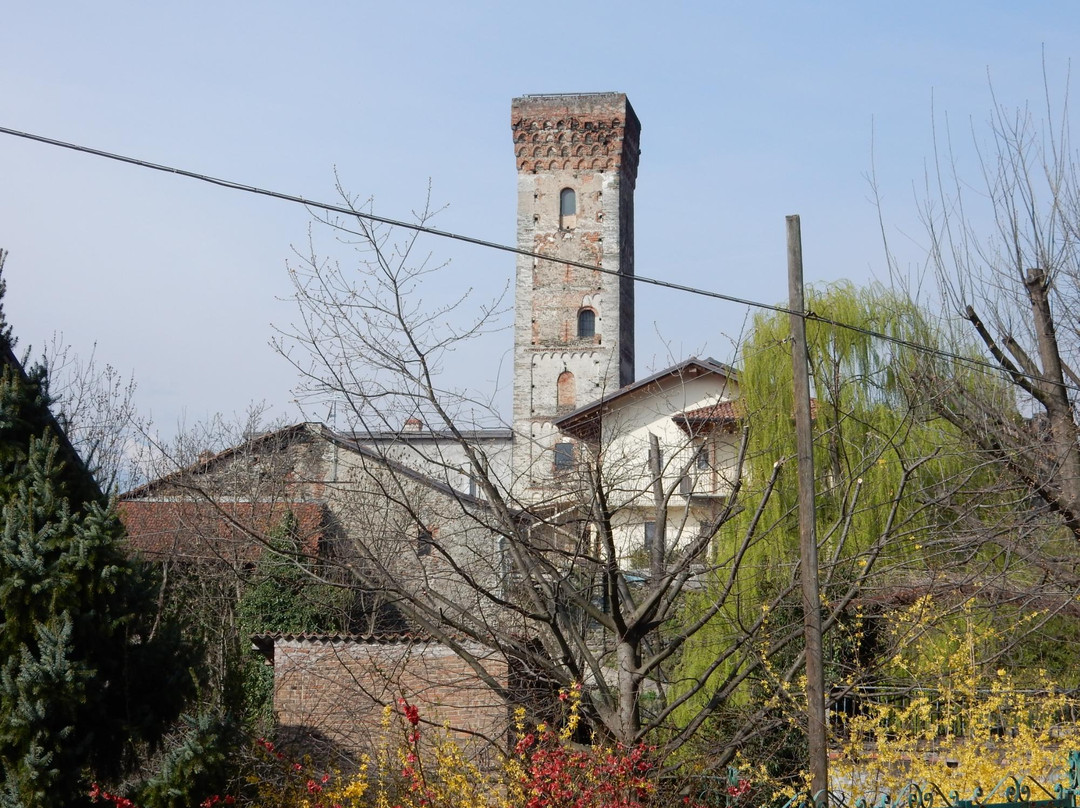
(804, 447)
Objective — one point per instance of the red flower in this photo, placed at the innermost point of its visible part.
(412, 713)
(738, 790)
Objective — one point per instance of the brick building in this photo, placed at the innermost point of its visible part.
(338, 686)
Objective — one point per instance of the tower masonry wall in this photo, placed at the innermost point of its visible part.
(588, 145)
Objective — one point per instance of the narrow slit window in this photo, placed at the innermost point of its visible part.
(586, 323)
(567, 209)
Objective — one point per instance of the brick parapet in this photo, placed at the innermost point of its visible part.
(576, 132)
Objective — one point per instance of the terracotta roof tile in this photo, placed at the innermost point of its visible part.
(720, 411)
(204, 531)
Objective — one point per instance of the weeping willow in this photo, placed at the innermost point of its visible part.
(885, 468)
(870, 424)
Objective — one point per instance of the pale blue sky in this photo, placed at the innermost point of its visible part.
(750, 111)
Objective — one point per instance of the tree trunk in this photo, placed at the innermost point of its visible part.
(629, 715)
(1054, 396)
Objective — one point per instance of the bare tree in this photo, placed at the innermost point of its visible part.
(1003, 250)
(95, 403)
(94, 406)
(1006, 253)
(544, 578)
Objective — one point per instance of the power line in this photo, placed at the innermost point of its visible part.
(350, 211)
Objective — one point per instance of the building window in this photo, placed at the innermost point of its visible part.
(586, 323)
(567, 209)
(701, 459)
(650, 536)
(564, 456)
(425, 541)
(565, 392)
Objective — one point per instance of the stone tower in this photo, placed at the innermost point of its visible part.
(577, 159)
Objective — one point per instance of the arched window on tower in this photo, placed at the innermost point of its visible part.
(567, 209)
(586, 324)
(565, 393)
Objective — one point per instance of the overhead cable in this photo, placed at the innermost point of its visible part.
(479, 242)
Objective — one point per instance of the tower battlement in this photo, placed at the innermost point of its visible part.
(576, 132)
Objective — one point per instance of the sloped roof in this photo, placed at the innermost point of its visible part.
(351, 441)
(584, 421)
(165, 521)
(283, 436)
(425, 434)
(723, 414)
(720, 411)
(207, 531)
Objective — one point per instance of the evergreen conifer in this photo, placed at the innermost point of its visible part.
(89, 676)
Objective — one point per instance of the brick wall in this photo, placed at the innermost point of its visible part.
(336, 688)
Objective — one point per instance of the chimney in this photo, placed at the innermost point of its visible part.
(413, 425)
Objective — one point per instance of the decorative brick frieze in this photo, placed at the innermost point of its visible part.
(577, 132)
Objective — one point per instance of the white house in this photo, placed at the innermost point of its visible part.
(686, 414)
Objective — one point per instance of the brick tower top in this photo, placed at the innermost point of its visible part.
(576, 132)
